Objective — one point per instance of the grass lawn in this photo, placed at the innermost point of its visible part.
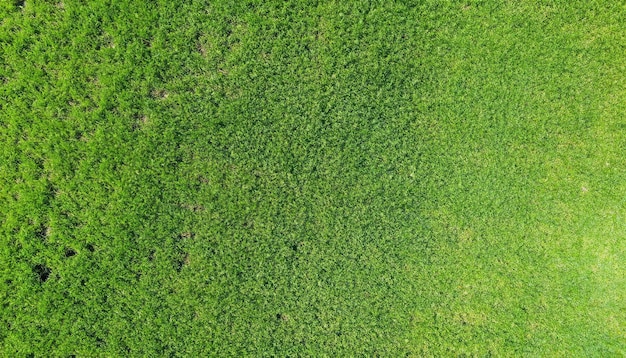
(312, 178)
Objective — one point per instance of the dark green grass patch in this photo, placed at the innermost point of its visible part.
(361, 178)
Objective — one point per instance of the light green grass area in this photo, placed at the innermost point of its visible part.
(313, 178)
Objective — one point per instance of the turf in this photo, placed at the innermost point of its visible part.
(312, 178)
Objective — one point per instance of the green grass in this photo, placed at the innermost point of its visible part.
(313, 178)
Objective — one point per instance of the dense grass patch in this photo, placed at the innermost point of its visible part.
(291, 178)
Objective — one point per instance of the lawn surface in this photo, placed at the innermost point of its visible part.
(312, 178)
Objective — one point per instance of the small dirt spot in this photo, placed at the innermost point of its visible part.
(180, 263)
(160, 94)
(298, 246)
(69, 252)
(109, 42)
(95, 80)
(283, 317)
(43, 232)
(151, 255)
(187, 235)
(43, 272)
(149, 43)
(19, 3)
(193, 207)
(202, 49)
(106, 41)
(141, 120)
(82, 136)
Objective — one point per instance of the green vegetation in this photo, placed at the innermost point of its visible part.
(312, 178)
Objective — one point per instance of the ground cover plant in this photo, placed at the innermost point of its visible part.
(312, 178)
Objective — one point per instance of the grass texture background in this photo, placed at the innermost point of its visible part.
(312, 178)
